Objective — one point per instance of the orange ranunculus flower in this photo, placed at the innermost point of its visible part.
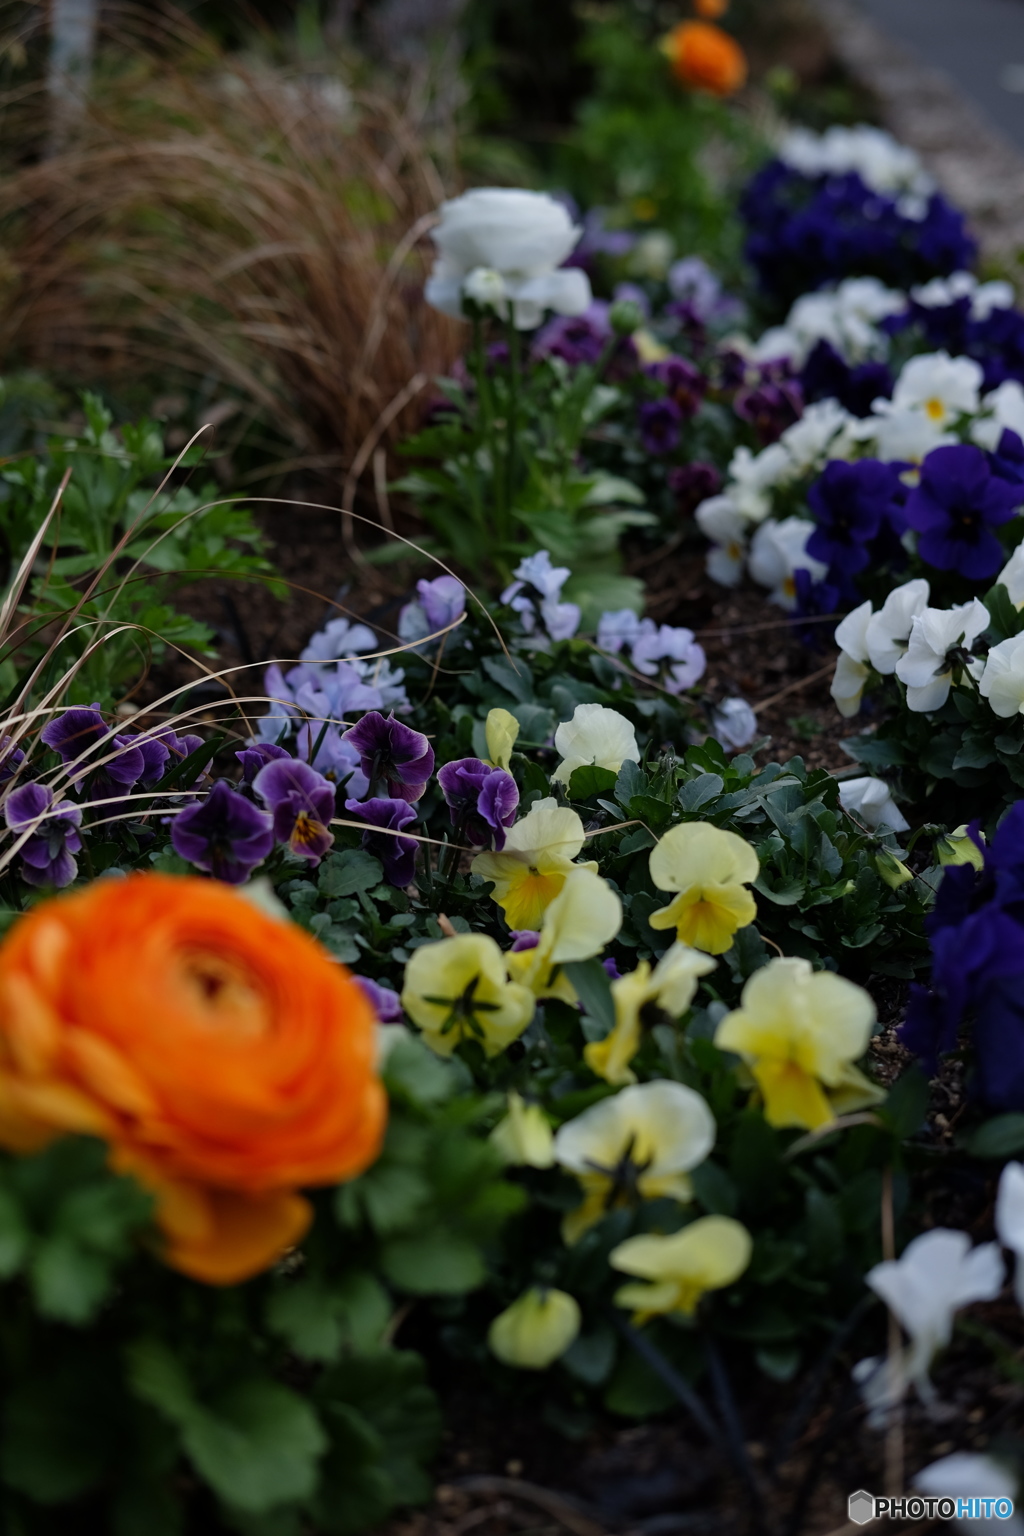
(711, 9)
(705, 58)
(225, 1059)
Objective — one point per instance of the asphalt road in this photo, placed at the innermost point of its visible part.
(979, 43)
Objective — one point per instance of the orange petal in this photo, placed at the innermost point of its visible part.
(247, 1234)
(31, 1026)
(106, 1072)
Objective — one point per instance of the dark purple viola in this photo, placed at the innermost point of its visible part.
(770, 408)
(1008, 459)
(482, 800)
(397, 854)
(181, 747)
(693, 483)
(392, 755)
(956, 507)
(11, 759)
(682, 382)
(302, 804)
(47, 855)
(223, 834)
(155, 756)
(660, 423)
(81, 731)
(850, 503)
(386, 1004)
(256, 756)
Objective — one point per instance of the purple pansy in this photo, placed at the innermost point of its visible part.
(181, 747)
(155, 755)
(302, 804)
(256, 756)
(482, 800)
(577, 339)
(397, 854)
(955, 508)
(47, 855)
(223, 834)
(683, 383)
(441, 602)
(851, 502)
(392, 754)
(336, 758)
(770, 407)
(11, 759)
(386, 1004)
(693, 483)
(660, 423)
(673, 644)
(79, 731)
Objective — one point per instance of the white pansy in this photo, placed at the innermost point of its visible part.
(940, 292)
(720, 520)
(852, 667)
(561, 620)
(813, 439)
(906, 436)
(1010, 1220)
(869, 799)
(1012, 577)
(734, 724)
(594, 737)
(968, 1475)
(516, 237)
(991, 296)
(881, 162)
(666, 1128)
(888, 630)
(845, 317)
(940, 386)
(937, 1274)
(777, 343)
(777, 551)
(753, 476)
(1004, 408)
(924, 668)
(1002, 681)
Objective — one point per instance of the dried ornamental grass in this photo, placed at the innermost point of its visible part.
(231, 220)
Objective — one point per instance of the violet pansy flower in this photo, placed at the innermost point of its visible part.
(336, 758)
(851, 503)
(386, 1004)
(79, 731)
(301, 802)
(223, 834)
(11, 759)
(393, 755)
(955, 509)
(397, 854)
(482, 800)
(47, 855)
(256, 756)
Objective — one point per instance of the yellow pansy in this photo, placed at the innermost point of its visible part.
(800, 1031)
(705, 1256)
(535, 1330)
(501, 730)
(584, 917)
(524, 1138)
(710, 869)
(638, 1145)
(670, 985)
(458, 989)
(530, 870)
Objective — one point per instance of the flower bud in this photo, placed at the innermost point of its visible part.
(535, 1330)
(891, 869)
(486, 287)
(524, 1137)
(958, 847)
(625, 317)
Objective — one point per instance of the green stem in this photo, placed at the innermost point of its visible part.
(485, 402)
(512, 423)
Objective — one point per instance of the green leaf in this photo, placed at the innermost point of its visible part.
(714, 1189)
(585, 783)
(536, 726)
(344, 874)
(14, 1235)
(318, 1318)
(591, 1356)
(594, 989)
(68, 1282)
(697, 792)
(907, 1103)
(61, 1427)
(437, 1263)
(1002, 1136)
(257, 1446)
(514, 677)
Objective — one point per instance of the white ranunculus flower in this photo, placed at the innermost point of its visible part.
(888, 630)
(940, 386)
(924, 667)
(852, 667)
(594, 737)
(522, 238)
(869, 798)
(486, 287)
(719, 520)
(777, 551)
(1002, 681)
(1012, 577)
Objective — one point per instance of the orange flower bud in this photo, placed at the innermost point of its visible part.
(705, 58)
(223, 1056)
(711, 9)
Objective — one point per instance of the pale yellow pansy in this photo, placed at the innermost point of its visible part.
(458, 989)
(670, 985)
(530, 870)
(501, 731)
(710, 869)
(535, 1330)
(639, 1144)
(584, 917)
(800, 1031)
(710, 1253)
(595, 737)
(958, 848)
(524, 1138)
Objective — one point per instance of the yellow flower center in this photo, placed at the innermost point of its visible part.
(934, 408)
